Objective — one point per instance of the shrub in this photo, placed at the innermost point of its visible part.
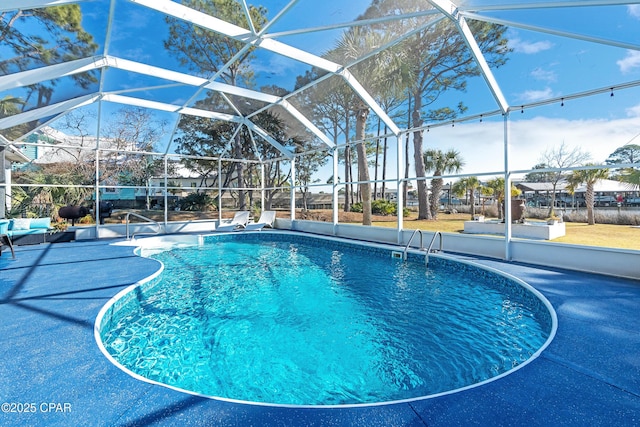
(601, 216)
(381, 207)
(196, 202)
(384, 207)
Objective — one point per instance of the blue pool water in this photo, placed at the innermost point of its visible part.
(264, 318)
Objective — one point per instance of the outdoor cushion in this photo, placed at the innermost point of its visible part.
(41, 223)
(20, 224)
(4, 226)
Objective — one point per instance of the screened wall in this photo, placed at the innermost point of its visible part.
(314, 110)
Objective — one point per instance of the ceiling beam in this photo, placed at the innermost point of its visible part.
(8, 5)
(544, 30)
(368, 99)
(47, 111)
(544, 5)
(307, 123)
(51, 72)
(264, 135)
(219, 26)
(357, 23)
(451, 11)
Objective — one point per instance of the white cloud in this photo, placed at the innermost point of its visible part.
(528, 48)
(481, 144)
(633, 111)
(629, 62)
(634, 10)
(544, 75)
(536, 95)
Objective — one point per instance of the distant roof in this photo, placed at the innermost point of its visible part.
(606, 186)
(602, 186)
(11, 153)
(540, 186)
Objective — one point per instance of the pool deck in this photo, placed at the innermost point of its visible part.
(50, 363)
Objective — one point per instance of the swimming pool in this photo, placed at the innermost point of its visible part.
(280, 318)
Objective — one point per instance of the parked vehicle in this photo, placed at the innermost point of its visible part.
(632, 201)
(605, 200)
(453, 201)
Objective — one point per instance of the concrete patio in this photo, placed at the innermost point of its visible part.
(54, 375)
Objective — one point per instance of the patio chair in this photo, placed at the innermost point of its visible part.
(267, 218)
(5, 240)
(239, 221)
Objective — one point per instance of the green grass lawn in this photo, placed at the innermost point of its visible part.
(607, 235)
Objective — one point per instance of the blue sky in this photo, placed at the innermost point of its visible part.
(541, 66)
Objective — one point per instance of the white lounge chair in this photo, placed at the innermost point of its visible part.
(239, 221)
(267, 219)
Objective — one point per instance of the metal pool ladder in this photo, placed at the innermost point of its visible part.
(143, 218)
(429, 248)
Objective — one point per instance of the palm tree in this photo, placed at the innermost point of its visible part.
(496, 186)
(353, 44)
(440, 162)
(465, 186)
(632, 177)
(589, 177)
(485, 191)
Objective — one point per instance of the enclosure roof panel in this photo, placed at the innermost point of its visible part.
(235, 62)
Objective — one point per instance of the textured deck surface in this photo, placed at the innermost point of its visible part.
(50, 364)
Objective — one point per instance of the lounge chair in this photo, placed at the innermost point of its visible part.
(5, 240)
(239, 221)
(267, 218)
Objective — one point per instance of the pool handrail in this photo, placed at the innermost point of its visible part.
(430, 248)
(143, 218)
(406, 248)
(422, 248)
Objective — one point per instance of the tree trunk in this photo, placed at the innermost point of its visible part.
(405, 184)
(363, 167)
(552, 211)
(268, 199)
(348, 176)
(590, 201)
(436, 188)
(250, 185)
(473, 203)
(237, 151)
(423, 206)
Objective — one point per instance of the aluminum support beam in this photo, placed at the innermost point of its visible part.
(452, 12)
(507, 190)
(285, 152)
(8, 5)
(399, 184)
(48, 111)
